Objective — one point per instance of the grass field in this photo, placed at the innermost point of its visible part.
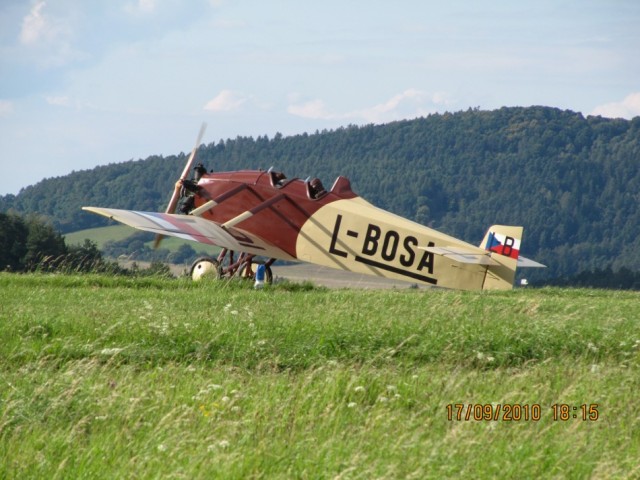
(105, 377)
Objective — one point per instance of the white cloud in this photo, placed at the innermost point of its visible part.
(141, 6)
(228, 24)
(34, 25)
(147, 5)
(58, 101)
(314, 109)
(442, 98)
(627, 108)
(225, 101)
(48, 36)
(409, 104)
(6, 108)
(390, 110)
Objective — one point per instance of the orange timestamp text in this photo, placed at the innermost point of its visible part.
(520, 412)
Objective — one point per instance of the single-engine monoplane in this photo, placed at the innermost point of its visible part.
(260, 214)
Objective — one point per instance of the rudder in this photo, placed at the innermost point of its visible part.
(503, 242)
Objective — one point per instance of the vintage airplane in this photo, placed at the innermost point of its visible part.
(262, 214)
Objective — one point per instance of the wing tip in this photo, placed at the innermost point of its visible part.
(99, 211)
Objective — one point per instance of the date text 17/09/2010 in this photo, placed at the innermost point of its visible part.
(520, 412)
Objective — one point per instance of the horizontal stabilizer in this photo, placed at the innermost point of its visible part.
(475, 256)
(528, 263)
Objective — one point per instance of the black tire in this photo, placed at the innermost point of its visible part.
(205, 266)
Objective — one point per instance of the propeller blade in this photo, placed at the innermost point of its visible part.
(175, 196)
(187, 168)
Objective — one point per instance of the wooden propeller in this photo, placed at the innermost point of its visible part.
(173, 203)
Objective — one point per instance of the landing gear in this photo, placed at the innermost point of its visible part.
(205, 266)
(226, 266)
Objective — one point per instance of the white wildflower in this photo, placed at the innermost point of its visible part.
(351, 405)
(359, 388)
(223, 444)
(162, 447)
(110, 351)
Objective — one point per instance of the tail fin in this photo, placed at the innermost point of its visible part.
(504, 244)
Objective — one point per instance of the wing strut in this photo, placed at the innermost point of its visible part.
(218, 200)
(250, 213)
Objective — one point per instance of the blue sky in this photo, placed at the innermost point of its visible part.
(86, 83)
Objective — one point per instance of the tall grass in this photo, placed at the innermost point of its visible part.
(108, 377)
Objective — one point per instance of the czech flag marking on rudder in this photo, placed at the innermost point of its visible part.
(503, 244)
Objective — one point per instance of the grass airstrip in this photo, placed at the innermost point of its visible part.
(114, 377)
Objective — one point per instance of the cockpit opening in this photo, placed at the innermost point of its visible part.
(316, 189)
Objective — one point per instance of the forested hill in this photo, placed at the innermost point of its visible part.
(573, 182)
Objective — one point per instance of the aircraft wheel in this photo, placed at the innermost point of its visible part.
(205, 266)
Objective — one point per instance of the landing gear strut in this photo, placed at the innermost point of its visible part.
(227, 266)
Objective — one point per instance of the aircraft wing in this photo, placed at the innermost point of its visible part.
(193, 228)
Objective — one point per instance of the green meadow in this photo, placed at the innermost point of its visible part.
(108, 377)
(100, 235)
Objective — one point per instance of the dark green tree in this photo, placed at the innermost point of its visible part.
(13, 242)
(43, 243)
(83, 258)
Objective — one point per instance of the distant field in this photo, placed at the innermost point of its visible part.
(99, 235)
(119, 232)
(105, 377)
